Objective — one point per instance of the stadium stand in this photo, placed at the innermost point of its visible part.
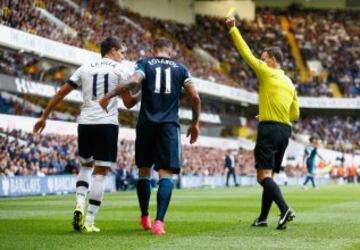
(331, 37)
(337, 132)
(16, 105)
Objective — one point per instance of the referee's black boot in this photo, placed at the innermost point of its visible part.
(258, 223)
(288, 216)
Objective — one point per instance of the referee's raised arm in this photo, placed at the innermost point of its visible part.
(244, 50)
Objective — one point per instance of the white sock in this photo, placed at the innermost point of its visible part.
(95, 197)
(82, 185)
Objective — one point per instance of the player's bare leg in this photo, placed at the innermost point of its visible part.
(82, 188)
(163, 200)
(143, 190)
(95, 198)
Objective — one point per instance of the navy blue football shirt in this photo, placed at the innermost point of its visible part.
(161, 88)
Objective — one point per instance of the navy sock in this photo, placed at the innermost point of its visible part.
(266, 203)
(306, 180)
(143, 190)
(273, 188)
(312, 181)
(163, 196)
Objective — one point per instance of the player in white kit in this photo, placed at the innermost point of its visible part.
(97, 129)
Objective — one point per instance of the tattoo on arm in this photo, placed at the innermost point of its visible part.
(127, 85)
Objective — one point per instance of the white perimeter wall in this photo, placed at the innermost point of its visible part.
(184, 11)
(179, 10)
(244, 8)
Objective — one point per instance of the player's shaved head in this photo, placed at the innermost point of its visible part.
(162, 43)
(108, 44)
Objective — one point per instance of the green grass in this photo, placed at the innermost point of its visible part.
(328, 218)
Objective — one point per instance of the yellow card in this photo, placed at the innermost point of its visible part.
(231, 12)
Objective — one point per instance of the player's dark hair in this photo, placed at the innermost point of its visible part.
(275, 52)
(162, 43)
(312, 138)
(108, 44)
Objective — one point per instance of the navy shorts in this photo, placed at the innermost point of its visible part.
(271, 143)
(158, 145)
(98, 143)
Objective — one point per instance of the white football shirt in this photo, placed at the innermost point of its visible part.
(96, 79)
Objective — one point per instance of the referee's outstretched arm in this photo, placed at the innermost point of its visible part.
(257, 65)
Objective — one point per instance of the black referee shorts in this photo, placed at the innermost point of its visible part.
(272, 140)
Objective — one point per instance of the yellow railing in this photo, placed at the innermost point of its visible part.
(39, 4)
(91, 46)
(304, 72)
(335, 90)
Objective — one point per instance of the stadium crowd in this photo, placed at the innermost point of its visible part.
(15, 105)
(27, 154)
(327, 36)
(336, 132)
(331, 37)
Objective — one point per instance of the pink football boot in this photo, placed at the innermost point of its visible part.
(145, 222)
(158, 228)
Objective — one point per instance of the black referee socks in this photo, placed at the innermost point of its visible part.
(273, 190)
(266, 202)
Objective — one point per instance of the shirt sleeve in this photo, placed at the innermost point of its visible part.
(75, 79)
(140, 68)
(294, 109)
(257, 65)
(187, 77)
(123, 71)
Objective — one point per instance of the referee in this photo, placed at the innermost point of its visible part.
(278, 107)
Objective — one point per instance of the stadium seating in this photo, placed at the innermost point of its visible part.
(16, 105)
(332, 37)
(336, 132)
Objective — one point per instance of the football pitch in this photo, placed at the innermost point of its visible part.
(328, 218)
